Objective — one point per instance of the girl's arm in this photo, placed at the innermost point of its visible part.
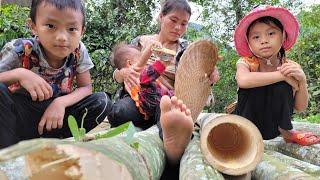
(301, 98)
(247, 79)
(294, 70)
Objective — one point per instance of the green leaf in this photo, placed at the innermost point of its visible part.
(72, 123)
(118, 130)
(82, 133)
(135, 145)
(130, 133)
(316, 93)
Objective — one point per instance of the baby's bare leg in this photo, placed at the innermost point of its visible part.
(177, 126)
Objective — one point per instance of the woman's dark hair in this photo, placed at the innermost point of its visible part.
(59, 4)
(172, 5)
(270, 21)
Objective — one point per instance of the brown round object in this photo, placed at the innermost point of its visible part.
(230, 143)
(192, 77)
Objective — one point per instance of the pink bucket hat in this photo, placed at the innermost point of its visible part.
(288, 21)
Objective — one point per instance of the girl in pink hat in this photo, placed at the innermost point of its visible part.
(270, 85)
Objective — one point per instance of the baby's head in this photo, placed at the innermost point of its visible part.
(124, 55)
(263, 25)
(58, 26)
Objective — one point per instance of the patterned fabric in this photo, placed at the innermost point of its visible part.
(27, 53)
(148, 96)
(253, 63)
(167, 78)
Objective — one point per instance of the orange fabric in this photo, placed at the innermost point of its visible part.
(253, 63)
(135, 96)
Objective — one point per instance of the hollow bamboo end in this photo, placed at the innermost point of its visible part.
(72, 162)
(231, 144)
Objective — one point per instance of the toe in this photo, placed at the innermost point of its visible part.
(165, 104)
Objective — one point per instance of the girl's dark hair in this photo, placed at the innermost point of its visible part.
(172, 5)
(59, 4)
(270, 21)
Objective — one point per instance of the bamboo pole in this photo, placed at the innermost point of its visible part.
(272, 168)
(310, 154)
(110, 158)
(230, 143)
(194, 166)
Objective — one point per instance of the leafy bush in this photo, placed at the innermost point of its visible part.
(307, 53)
(13, 23)
(109, 22)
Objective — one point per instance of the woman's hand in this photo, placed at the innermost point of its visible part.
(214, 76)
(130, 77)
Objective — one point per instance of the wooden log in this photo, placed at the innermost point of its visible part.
(310, 154)
(273, 168)
(308, 168)
(194, 166)
(306, 126)
(230, 143)
(110, 158)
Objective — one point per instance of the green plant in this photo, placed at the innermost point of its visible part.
(13, 23)
(79, 134)
(313, 118)
(110, 22)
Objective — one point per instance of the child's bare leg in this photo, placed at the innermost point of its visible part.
(286, 134)
(177, 127)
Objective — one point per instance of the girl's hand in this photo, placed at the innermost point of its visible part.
(130, 77)
(214, 76)
(52, 117)
(292, 82)
(293, 69)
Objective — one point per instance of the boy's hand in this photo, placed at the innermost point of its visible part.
(153, 44)
(52, 117)
(35, 85)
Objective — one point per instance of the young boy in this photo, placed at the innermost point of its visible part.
(36, 76)
(148, 95)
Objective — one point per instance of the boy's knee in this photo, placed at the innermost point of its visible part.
(3, 88)
(4, 92)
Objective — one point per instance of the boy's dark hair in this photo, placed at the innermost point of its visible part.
(120, 54)
(172, 5)
(268, 20)
(59, 4)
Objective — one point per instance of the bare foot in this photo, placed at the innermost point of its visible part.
(177, 127)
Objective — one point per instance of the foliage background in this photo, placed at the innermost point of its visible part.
(112, 21)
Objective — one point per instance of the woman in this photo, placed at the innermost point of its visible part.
(172, 117)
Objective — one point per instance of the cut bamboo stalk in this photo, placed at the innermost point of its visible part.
(230, 143)
(193, 165)
(272, 168)
(110, 158)
(310, 154)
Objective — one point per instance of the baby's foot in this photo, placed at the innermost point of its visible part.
(177, 127)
